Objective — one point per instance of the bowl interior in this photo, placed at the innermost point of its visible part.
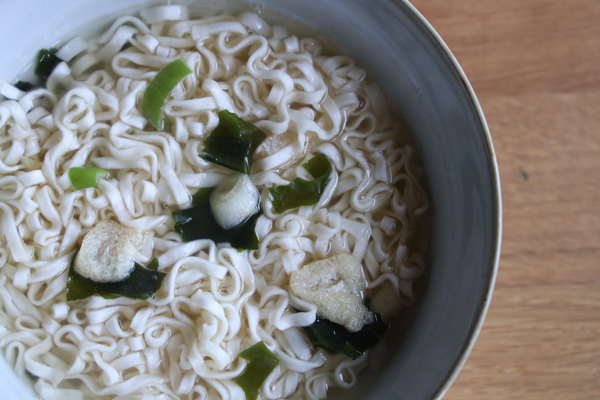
(426, 84)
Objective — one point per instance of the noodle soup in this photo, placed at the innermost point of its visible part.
(217, 297)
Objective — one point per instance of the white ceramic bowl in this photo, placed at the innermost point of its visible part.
(412, 62)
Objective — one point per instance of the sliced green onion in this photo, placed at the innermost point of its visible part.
(301, 192)
(199, 223)
(261, 363)
(85, 177)
(232, 143)
(159, 89)
(234, 200)
(141, 284)
(46, 62)
(337, 339)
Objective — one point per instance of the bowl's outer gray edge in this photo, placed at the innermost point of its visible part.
(476, 329)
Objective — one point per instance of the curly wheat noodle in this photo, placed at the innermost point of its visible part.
(214, 302)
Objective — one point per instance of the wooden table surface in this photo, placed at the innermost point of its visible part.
(535, 67)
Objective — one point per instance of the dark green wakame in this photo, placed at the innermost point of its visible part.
(24, 86)
(46, 61)
(198, 222)
(301, 192)
(337, 339)
(261, 363)
(141, 284)
(202, 196)
(232, 143)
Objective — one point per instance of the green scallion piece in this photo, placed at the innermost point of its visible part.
(232, 143)
(85, 177)
(159, 89)
(301, 192)
(167, 124)
(261, 363)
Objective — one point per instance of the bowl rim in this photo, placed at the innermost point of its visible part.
(479, 318)
(478, 323)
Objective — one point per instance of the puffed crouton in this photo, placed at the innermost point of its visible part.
(335, 286)
(107, 251)
(386, 301)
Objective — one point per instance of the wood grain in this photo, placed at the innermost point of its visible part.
(535, 66)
